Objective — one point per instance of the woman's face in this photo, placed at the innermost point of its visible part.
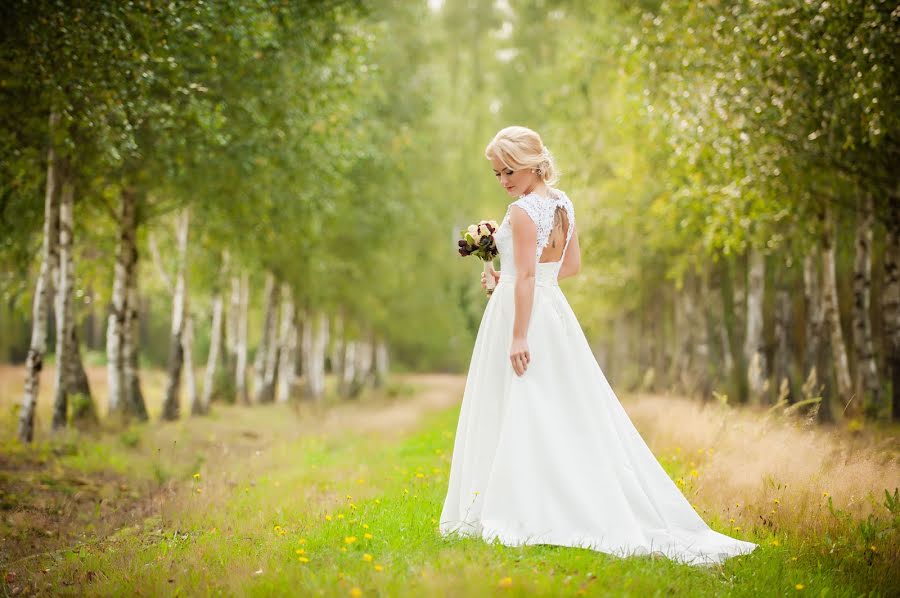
(516, 182)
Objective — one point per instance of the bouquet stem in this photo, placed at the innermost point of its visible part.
(490, 282)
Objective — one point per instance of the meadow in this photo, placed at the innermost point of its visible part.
(341, 498)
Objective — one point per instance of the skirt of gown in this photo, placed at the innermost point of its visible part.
(551, 457)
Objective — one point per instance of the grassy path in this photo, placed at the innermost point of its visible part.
(343, 501)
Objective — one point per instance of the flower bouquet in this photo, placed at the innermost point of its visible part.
(478, 240)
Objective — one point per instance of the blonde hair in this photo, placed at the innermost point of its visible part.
(518, 148)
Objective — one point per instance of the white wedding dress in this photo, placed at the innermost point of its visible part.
(551, 457)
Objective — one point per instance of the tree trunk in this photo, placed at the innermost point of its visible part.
(734, 298)
(315, 340)
(382, 363)
(171, 403)
(240, 376)
(814, 363)
(867, 387)
(116, 326)
(134, 396)
(190, 380)
(34, 363)
(63, 302)
(833, 314)
(262, 389)
(754, 344)
(213, 360)
(348, 375)
(890, 303)
(337, 342)
(288, 345)
(783, 349)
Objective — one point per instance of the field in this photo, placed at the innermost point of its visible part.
(342, 499)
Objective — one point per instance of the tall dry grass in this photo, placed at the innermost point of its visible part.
(765, 467)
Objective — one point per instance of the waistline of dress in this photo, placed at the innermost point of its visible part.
(539, 281)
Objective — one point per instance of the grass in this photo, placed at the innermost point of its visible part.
(343, 500)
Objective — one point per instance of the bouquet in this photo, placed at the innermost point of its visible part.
(478, 240)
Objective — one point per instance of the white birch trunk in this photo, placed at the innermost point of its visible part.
(288, 343)
(382, 363)
(833, 314)
(63, 304)
(337, 343)
(133, 395)
(867, 386)
(215, 338)
(263, 356)
(315, 343)
(42, 295)
(240, 375)
(196, 407)
(172, 401)
(753, 339)
(115, 330)
(348, 376)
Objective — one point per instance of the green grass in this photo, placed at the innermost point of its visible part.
(237, 528)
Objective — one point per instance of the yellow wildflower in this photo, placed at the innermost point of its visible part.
(197, 476)
(340, 515)
(420, 475)
(799, 586)
(775, 542)
(300, 551)
(506, 582)
(694, 473)
(731, 520)
(302, 540)
(328, 517)
(873, 548)
(302, 559)
(350, 539)
(368, 536)
(356, 592)
(776, 501)
(199, 490)
(378, 567)
(367, 557)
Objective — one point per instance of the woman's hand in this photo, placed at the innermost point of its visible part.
(519, 355)
(496, 274)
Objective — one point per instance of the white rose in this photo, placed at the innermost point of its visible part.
(473, 230)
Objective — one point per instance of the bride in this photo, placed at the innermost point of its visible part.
(544, 452)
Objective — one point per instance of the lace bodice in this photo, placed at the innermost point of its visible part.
(541, 210)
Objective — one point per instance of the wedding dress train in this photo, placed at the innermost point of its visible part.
(551, 457)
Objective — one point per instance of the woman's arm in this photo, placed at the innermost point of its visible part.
(524, 234)
(572, 262)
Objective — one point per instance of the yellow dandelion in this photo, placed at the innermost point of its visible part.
(731, 520)
(367, 557)
(406, 491)
(738, 528)
(356, 592)
(343, 549)
(199, 490)
(340, 515)
(378, 567)
(420, 475)
(368, 536)
(377, 501)
(197, 476)
(277, 528)
(302, 540)
(737, 504)
(350, 539)
(799, 586)
(824, 495)
(327, 517)
(302, 559)
(433, 520)
(360, 481)
(793, 558)
(476, 493)
(873, 548)
(300, 551)
(349, 497)
(775, 542)
(352, 506)
(506, 582)
(694, 473)
(776, 501)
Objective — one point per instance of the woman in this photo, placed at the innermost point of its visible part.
(544, 452)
